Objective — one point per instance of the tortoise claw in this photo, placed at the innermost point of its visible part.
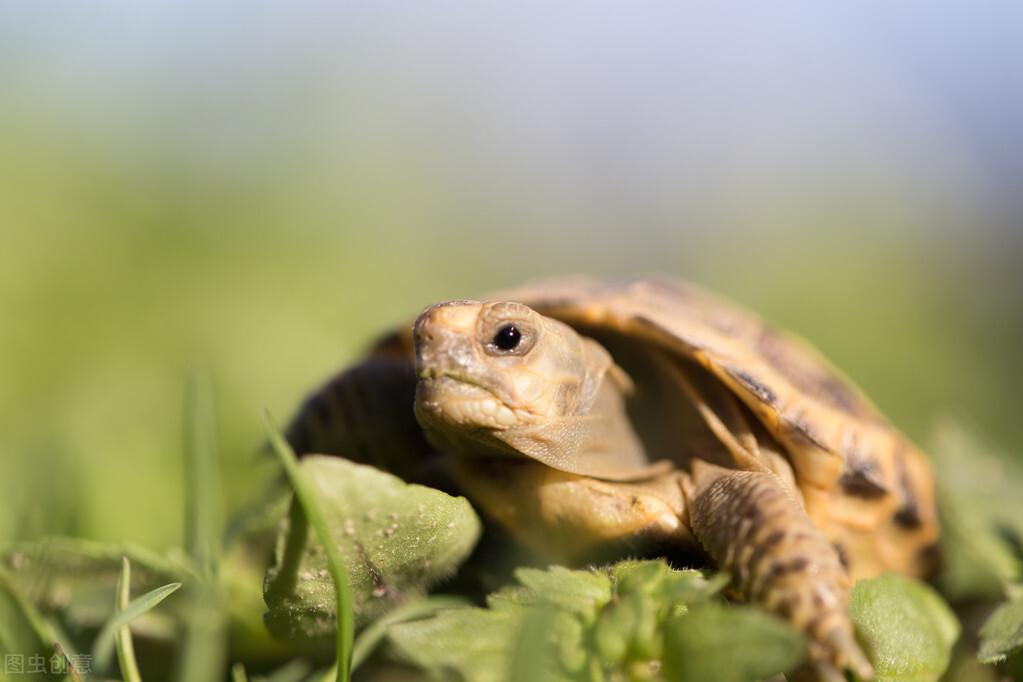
(849, 655)
(827, 672)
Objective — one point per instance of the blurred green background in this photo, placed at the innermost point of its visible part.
(257, 191)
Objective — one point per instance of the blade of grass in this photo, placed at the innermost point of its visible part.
(65, 651)
(104, 645)
(335, 565)
(203, 654)
(125, 647)
(68, 665)
(202, 476)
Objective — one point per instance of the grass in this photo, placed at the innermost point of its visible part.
(205, 650)
(115, 633)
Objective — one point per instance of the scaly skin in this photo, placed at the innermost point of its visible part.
(753, 527)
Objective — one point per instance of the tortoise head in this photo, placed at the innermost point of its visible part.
(490, 372)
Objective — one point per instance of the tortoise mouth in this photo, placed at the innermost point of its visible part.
(451, 399)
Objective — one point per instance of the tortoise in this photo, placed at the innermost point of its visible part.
(579, 413)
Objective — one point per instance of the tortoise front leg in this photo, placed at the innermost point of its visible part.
(751, 525)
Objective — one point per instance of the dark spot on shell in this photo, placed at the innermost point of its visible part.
(843, 555)
(836, 392)
(908, 513)
(808, 375)
(908, 516)
(754, 386)
(862, 478)
(929, 559)
(804, 434)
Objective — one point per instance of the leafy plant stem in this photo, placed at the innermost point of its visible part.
(338, 573)
(125, 648)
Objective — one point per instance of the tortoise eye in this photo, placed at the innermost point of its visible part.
(510, 338)
(507, 338)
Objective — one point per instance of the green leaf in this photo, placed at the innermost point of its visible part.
(982, 515)
(105, 640)
(485, 645)
(906, 629)
(646, 594)
(536, 653)
(574, 624)
(612, 634)
(1002, 634)
(728, 644)
(667, 585)
(646, 575)
(629, 629)
(395, 539)
(377, 630)
(531, 656)
(475, 643)
(580, 592)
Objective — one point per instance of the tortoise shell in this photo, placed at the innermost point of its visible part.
(864, 484)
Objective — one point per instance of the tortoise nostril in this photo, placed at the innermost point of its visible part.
(419, 333)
